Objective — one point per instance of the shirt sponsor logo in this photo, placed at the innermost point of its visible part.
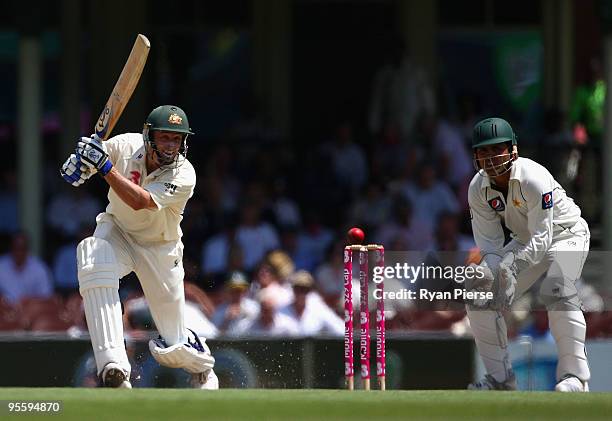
(497, 205)
(547, 200)
(135, 177)
(170, 188)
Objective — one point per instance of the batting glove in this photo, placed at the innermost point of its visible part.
(93, 153)
(74, 171)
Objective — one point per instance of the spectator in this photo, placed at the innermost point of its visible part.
(587, 116)
(401, 93)
(270, 321)
(390, 158)
(329, 276)
(373, 208)
(429, 196)
(65, 264)
(347, 160)
(271, 276)
(311, 243)
(216, 249)
(222, 188)
(587, 108)
(405, 228)
(195, 227)
(254, 236)
(81, 207)
(286, 211)
(236, 306)
(450, 152)
(470, 112)
(235, 258)
(23, 275)
(448, 237)
(308, 310)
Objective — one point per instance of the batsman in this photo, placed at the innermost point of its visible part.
(150, 182)
(549, 240)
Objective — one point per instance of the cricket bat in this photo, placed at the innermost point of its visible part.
(123, 88)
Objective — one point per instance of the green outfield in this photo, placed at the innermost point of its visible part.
(272, 404)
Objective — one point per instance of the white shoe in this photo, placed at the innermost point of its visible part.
(489, 383)
(115, 376)
(571, 383)
(207, 380)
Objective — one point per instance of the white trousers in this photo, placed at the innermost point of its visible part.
(561, 268)
(111, 254)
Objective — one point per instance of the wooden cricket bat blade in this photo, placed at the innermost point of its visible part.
(124, 87)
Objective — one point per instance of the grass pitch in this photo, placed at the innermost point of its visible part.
(272, 404)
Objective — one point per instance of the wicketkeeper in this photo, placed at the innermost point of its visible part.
(549, 238)
(150, 182)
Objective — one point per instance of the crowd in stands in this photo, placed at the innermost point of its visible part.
(265, 229)
(259, 259)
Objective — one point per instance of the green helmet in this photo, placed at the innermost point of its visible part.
(168, 118)
(491, 131)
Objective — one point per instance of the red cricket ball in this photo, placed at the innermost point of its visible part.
(356, 235)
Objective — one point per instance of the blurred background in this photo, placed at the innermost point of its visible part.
(311, 116)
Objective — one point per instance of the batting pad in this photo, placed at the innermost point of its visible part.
(97, 264)
(181, 356)
(103, 314)
(99, 287)
(490, 334)
(569, 330)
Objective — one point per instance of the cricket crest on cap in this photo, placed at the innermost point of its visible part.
(175, 119)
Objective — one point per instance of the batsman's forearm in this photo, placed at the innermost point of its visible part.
(133, 195)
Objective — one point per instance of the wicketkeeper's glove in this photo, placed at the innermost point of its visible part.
(507, 274)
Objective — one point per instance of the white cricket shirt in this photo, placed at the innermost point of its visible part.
(170, 189)
(536, 210)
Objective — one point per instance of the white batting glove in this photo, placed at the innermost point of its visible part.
(74, 171)
(93, 154)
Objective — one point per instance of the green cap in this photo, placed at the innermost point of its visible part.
(491, 131)
(168, 118)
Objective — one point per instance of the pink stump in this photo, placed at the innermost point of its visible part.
(380, 322)
(364, 318)
(349, 372)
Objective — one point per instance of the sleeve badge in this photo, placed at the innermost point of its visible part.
(547, 200)
(497, 204)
